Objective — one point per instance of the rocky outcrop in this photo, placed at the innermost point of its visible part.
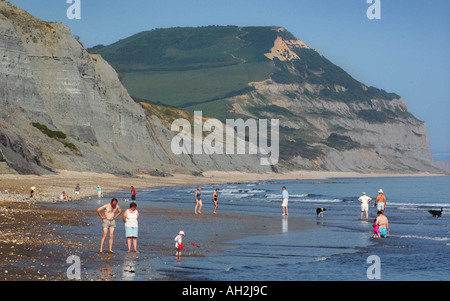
(64, 108)
(330, 121)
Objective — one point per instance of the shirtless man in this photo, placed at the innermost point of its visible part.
(380, 201)
(112, 211)
(383, 223)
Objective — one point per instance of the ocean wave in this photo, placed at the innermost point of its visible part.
(321, 258)
(423, 237)
(278, 195)
(318, 201)
(302, 198)
(436, 205)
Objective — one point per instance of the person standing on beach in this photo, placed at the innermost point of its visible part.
(112, 211)
(99, 192)
(383, 224)
(32, 191)
(364, 199)
(284, 201)
(178, 242)
(198, 201)
(133, 194)
(130, 218)
(77, 191)
(380, 201)
(215, 201)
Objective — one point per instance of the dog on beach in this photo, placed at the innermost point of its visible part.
(319, 211)
(436, 213)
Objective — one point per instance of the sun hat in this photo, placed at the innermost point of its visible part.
(181, 232)
(380, 191)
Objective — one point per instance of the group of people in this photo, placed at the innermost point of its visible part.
(381, 223)
(199, 203)
(108, 213)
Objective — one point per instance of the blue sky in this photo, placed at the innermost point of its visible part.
(407, 51)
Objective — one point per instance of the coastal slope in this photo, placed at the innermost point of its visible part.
(328, 119)
(64, 108)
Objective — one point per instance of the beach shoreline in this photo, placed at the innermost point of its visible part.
(34, 235)
(15, 187)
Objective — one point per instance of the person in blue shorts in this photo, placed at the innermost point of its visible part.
(383, 223)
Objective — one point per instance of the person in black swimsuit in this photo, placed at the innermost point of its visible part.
(216, 203)
(198, 201)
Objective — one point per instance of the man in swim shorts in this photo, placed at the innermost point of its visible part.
(364, 199)
(380, 201)
(383, 223)
(112, 211)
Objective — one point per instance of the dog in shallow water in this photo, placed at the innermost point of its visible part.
(436, 213)
(319, 211)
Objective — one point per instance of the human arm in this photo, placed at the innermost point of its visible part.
(99, 211)
(119, 212)
(125, 216)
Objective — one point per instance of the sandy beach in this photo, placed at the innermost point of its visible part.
(50, 187)
(34, 235)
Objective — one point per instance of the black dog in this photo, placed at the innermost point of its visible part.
(319, 211)
(436, 213)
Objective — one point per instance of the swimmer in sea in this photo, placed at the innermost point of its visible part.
(215, 201)
(198, 201)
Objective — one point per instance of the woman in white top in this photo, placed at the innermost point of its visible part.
(130, 218)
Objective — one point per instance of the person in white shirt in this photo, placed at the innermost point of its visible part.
(284, 201)
(130, 218)
(178, 242)
(364, 199)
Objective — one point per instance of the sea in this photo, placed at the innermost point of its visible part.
(337, 246)
(250, 240)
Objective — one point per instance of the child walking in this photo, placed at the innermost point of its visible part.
(178, 243)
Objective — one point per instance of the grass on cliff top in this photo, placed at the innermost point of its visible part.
(191, 88)
(190, 67)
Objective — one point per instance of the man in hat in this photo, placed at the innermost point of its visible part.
(364, 199)
(380, 201)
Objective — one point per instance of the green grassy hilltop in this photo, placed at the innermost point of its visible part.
(185, 67)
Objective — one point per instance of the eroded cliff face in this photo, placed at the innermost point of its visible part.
(321, 133)
(50, 85)
(62, 107)
(329, 120)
